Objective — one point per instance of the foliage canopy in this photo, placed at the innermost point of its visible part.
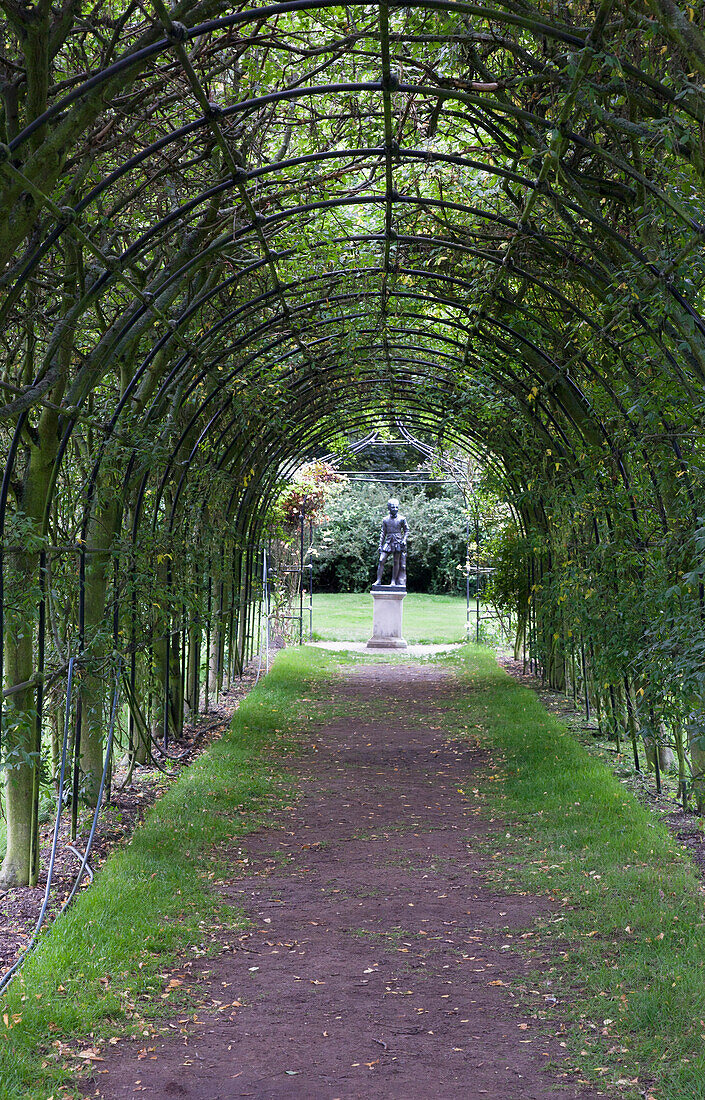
(231, 238)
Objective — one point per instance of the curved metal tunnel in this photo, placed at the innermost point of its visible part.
(231, 239)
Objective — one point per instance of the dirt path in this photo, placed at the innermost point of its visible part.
(377, 963)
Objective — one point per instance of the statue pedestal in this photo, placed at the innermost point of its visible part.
(387, 608)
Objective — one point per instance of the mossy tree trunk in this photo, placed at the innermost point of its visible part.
(22, 734)
(696, 748)
(95, 684)
(194, 663)
(167, 647)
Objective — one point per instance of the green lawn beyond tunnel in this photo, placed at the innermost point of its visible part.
(347, 617)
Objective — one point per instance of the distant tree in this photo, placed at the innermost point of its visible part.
(347, 540)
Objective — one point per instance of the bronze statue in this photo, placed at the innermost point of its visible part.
(395, 532)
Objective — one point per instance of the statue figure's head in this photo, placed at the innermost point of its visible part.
(393, 506)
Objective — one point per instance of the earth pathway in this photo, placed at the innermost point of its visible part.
(377, 962)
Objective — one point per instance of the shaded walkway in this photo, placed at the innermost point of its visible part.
(378, 961)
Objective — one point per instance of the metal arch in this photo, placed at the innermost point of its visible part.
(85, 514)
(290, 252)
(313, 411)
(423, 363)
(434, 364)
(163, 341)
(415, 271)
(252, 15)
(314, 416)
(444, 321)
(222, 242)
(430, 91)
(410, 88)
(429, 156)
(222, 383)
(192, 422)
(232, 316)
(386, 200)
(427, 202)
(227, 378)
(185, 433)
(304, 444)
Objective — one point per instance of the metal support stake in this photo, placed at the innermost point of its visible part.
(477, 578)
(631, 721)
(37, 747)
(301, 575)
(467, 576)
(657, 749)
(182, 670)
(265, 583)
(133, 648)
(310, 581)
(116, 638)
(585, 681)
(209, 607)
(79, 699)
(167, 668)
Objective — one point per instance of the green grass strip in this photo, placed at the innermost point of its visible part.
(630, 941)
(99, 970)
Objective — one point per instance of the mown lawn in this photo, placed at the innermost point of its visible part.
(427, 619)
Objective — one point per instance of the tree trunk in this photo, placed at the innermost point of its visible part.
(666, 758)
(218, 633)
(95, 684)
(20, 742)
(696, 748)
(176, 703)
(520, 638)
(682, 771)
(193, 687)
(22, 737)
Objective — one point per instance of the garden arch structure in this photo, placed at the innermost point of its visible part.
(231, 237)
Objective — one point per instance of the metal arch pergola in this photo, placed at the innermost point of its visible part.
(230, 238)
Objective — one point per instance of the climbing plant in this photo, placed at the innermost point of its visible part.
(232, 240)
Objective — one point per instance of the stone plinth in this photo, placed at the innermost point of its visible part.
(387, 608)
